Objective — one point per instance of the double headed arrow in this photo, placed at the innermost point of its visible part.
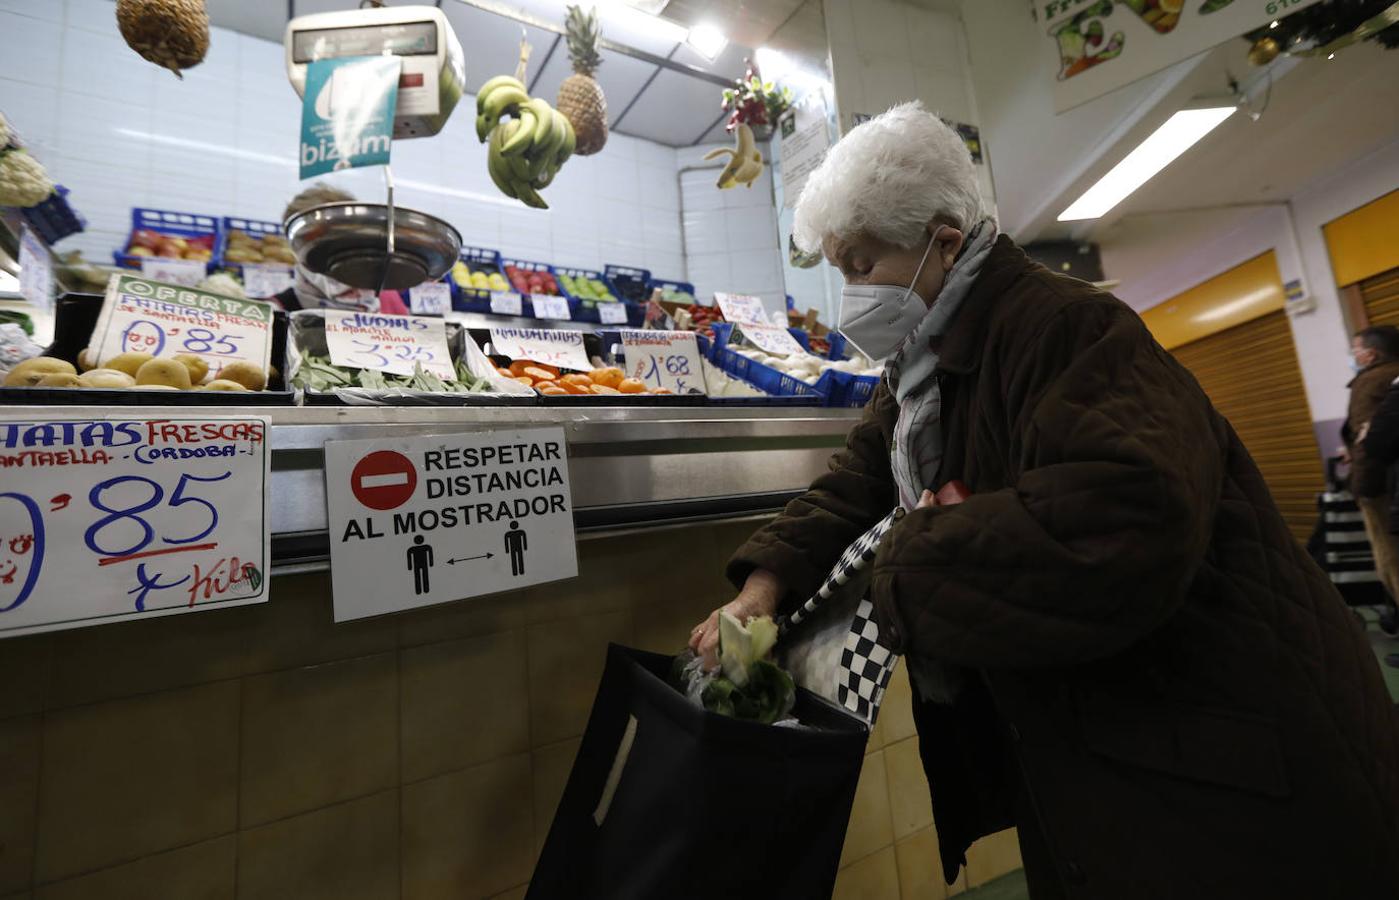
(453, 562)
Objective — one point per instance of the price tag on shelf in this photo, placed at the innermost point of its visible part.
(431, 298)
(664, 359)
(35, 270)
(120, 519)
(261, 280)
(507, 303)
(612, 313)
(187, 272)
(771, 339)
(141, 315)
(388, 343)
(742, 309)
(547, 307)
(564, 349)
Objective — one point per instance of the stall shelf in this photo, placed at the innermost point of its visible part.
(630, 467)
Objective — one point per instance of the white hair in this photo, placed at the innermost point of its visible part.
(888, 178)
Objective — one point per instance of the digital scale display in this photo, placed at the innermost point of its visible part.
(413, 39)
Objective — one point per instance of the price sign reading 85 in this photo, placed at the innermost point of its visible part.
(664, 359)
(119, 519)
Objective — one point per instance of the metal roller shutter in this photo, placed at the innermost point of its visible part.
(1251, 375)
(1380, 295)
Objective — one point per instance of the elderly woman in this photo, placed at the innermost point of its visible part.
(1114, 643)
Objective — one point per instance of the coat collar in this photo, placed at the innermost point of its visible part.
(962, 345)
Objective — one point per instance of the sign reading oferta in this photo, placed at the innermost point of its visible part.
(1097, 46)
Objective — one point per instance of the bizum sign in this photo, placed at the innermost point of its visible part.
(347, 113)
(350, 151)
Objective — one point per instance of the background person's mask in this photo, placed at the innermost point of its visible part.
(876, 318)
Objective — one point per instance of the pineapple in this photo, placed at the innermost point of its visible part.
(580, 96)
(170, 33)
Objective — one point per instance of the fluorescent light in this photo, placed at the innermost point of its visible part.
(783, 69)
(1180, 132)
(623, 15)
(1273, 24)
(707, 40)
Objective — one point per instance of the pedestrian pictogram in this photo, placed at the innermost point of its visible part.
(419, 561)
(516, 544)
(383, 480)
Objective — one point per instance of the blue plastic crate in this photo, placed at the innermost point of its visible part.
(532, 266)
(765, 378)
(846, 389)
(473, 299)
(54, 218)
(618, 276)
(665, 284)
(180, 224)
(561, 271)
(838, 345)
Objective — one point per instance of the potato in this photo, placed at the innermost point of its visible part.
(58, 379)
(106, 378)
(28, 373)
(86, 361)
(166, 372)
(157, 387)
(246, 374)
(198, 368)
(130, 363)
(223, 384)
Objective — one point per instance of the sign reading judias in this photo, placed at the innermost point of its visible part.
(452, 516)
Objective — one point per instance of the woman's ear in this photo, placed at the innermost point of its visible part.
(949, 242)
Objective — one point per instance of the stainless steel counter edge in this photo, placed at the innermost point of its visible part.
(628, 466)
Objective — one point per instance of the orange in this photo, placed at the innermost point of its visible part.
(552, 390)
(527, 382)
(609, 377)
(543, 383)
(576, 378)
(604, 389)
(575, 388)
(631, 386)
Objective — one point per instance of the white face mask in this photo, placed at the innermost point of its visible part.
(876, 318)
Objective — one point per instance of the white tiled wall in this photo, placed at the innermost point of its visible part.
(120, 132)
(731, 241)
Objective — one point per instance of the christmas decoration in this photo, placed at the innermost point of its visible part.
(1326, 27)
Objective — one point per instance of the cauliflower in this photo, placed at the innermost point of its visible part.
(5, 133)
(223, 283)
(23, 181)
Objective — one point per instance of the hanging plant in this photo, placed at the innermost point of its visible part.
(754, 102)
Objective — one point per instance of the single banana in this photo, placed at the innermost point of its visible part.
(497, 165)
(483, 127)
(570, 140)
(544, 137)
(504, 99)
(718, 152)
(523, 137)
(530, 196)
(740, 159)
(518, 167)
(491, 85)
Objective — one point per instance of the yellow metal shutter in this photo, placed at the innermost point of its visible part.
(1380, 295)
(1251, 375)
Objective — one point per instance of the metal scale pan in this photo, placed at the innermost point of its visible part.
(373, 246)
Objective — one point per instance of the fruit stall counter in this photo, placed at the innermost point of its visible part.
(629, 467)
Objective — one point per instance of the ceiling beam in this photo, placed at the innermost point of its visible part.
(524, 18)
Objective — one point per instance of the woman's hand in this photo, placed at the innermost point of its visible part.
(759, 597)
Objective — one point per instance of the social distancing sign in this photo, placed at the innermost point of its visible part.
(424, 520)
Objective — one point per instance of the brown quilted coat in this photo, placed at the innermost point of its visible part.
(1163, 691)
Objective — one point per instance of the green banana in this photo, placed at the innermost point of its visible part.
(492, 85)
(483, 128)
(522, 138)
(547, 136)
(503, 100)
(530, 196)
(497, 165)
(518, 167)
(570, 140)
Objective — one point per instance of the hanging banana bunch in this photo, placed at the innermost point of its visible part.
(525, 151)
(745, 159)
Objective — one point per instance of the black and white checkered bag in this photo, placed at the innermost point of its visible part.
(857, 670)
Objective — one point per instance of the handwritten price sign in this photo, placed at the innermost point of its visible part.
(507, 303)
(742, 309)
(556, 348)
(664, 359)
(612, 313)
(103, 521)
(546, 307)
(388, 343)
(144, 316)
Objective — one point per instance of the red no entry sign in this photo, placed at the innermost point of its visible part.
(383, 480)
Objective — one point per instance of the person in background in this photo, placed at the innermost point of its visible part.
(1381, 448)
(313, 291)
(1114, 643)
(1375, 357)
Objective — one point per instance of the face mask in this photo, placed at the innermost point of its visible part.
(876, 318)
(323, 291)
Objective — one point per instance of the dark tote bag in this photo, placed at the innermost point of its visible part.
(668, 801)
